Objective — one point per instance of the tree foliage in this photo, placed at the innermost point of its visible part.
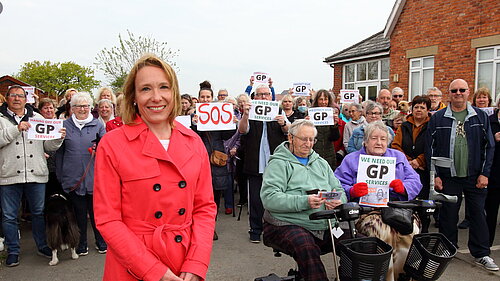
(56, 78)
(117, 61)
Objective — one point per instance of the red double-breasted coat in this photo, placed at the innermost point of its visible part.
(154, 208)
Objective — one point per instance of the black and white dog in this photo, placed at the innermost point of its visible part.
(61, 228)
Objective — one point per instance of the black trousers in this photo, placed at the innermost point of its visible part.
(474, 202)
(255, 206)
(491, 207)
(83, 205)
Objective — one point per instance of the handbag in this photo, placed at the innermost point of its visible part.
(398, 218)
(217, 158)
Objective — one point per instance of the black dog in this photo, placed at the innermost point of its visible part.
(61, 228)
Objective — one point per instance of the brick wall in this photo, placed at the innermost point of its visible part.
(337, 78)
(450, 24)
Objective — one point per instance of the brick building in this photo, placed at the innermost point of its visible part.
(7, 81)
(425, 43)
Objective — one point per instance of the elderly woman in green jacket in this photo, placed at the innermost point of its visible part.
(293, 174)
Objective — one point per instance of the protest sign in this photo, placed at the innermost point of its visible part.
(301, 89)
(263, 110)
(330, 195)
(349, 96)
(30, 91)
(44, 129)
(215, 116)
(321, 116)
(377, 172)
(488, 110)
(184, 120)
(261, 77)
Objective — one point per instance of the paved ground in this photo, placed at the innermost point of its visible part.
(233, 258)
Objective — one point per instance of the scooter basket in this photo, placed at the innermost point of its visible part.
(364, 258)
(429, 256)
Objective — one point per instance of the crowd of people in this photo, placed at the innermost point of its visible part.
(151, 188)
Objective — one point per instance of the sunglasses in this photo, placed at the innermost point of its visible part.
(454, 91)
(398, 96)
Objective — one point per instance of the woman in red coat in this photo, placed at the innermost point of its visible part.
(153, 199)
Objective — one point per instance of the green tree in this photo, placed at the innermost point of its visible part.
(56, 78)
(117, 61)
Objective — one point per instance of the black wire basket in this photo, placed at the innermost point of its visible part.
(364, 258)
(429, 256)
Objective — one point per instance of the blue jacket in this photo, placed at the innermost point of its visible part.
(440, 140)
(73, 156)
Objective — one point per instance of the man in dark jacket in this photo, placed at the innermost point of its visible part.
(462, 133)
(261, 139)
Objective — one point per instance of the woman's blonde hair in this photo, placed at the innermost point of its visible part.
(129, 108)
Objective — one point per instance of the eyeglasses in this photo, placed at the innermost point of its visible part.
(21, 96)
(83, 106)
(262, 94)
(397, 96)
(454, 91)
(313, 140)
(434, 96)
(352, 111)
(374, 113)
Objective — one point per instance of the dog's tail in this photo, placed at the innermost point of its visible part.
(54, 236)
(73, 235)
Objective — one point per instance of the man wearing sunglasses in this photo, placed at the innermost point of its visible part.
(397, 94)
(23, 171)
(462, 133)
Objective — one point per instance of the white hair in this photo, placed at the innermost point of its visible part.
(79, 97)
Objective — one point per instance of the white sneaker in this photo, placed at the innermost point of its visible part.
(1, 244)
(488, 263)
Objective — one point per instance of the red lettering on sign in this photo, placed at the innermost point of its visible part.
(201, 113)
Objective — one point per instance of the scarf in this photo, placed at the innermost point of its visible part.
(81, 123)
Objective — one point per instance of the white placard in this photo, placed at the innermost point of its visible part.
(44, 129)
(263, 110)
(377, 172)
(30, 91)
(215, 116)
(488, 110)
(261, 77)
(321, 116)
(301, 89)
(184, 120)
(349, 96)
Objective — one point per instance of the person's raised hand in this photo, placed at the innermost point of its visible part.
(23, 126)
(359, 189)
(398, 186)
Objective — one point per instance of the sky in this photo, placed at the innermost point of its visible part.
(222, 41)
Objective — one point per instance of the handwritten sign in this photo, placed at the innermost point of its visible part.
(321, 116)
(261, 77)
(30, 91)
(44, 129)
(301, 89)
(215, 116)
(184, 120)
(263, 110)
(349, 96)
(377, 172)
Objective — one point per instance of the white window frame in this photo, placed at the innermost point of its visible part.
(495, 61)
(420, 70)
(359, 83)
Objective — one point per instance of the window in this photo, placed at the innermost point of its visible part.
(367, 76)
(488, 70)
(421, 75)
